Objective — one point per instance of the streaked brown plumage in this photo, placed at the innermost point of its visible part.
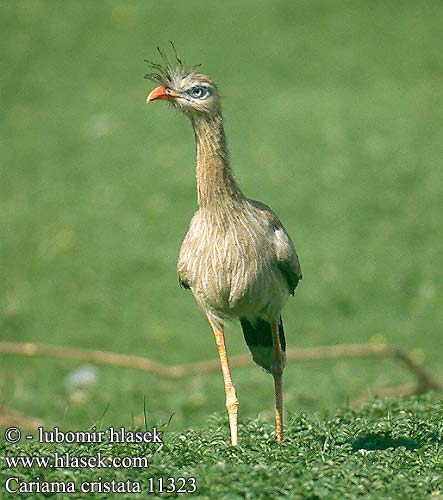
(236, 258)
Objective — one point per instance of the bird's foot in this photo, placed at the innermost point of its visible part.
(232, 407)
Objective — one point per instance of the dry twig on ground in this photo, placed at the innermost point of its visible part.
(425, 381)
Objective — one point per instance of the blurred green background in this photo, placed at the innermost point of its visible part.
(334, 115)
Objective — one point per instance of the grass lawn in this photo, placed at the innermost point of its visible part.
(334, 116)
(386, 450)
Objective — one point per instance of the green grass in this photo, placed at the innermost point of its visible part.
(334, 115)
(388, 450)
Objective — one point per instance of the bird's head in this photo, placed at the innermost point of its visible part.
(192, 92)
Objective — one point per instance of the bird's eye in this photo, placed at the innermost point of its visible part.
(199, 92)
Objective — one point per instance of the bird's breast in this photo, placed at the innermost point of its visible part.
(231, 268)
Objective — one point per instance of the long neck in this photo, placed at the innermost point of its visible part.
(216, 185)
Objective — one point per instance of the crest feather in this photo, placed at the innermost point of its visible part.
(166, 74)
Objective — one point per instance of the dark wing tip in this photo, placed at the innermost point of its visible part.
(292, 276)
(184, 284)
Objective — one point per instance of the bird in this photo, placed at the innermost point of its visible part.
(237, 258)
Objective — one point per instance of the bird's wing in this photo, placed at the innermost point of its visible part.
(284, 249)
(183, 271)
(287, 257)
(183, 282)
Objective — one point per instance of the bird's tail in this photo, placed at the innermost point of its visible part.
(258, 336)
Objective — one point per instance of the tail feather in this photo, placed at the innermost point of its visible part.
(258, 337)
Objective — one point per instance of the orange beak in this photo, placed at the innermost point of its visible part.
(161, 93)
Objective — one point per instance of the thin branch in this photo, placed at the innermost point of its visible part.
(98, 357)
(425, 379)
(9, 417)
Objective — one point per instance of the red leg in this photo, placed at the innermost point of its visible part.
(231, 396)
(277, 372)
